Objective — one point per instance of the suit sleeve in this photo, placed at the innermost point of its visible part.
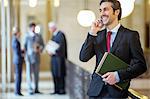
(62, 50)
(25, 42)
(41, 42)
(15, 47)
(65, 47)
(138, 64)
(87, 50)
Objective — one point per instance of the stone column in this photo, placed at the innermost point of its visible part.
(3, 43)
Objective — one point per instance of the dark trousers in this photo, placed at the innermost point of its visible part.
(112, 93)
(18, 72)
(59, 84)
(103, 95)
(35, 71)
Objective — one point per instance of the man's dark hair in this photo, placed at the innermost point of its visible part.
(32, 24)
(115, 5)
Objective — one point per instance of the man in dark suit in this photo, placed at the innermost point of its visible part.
(58, 58)
(17, 60)
(122, 42)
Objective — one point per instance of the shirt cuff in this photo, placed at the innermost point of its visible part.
(117, 76)
(92, 34)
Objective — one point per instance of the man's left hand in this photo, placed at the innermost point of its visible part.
(109, 78)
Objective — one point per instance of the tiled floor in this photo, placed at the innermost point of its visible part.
(42, 96)
(45, 86)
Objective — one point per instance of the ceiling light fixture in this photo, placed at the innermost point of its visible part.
(85, 17)
(56, 3)
(32, 3)
(127, 7)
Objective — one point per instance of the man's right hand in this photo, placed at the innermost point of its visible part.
(96, 26)
(50, 53)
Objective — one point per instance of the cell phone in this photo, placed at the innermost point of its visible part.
(100, 22)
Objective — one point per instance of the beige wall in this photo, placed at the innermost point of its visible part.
(136, 20)
(147, 10)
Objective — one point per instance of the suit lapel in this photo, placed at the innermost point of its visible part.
(102, 40)
(118, 38)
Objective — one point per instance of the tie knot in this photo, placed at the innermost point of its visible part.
(109, 33)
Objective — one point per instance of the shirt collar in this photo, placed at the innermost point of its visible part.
(55, 33)
(115, 29)
(31, 33)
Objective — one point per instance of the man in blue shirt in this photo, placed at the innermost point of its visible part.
(34, 45)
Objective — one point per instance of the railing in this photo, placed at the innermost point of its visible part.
(135, 95)
(78, 81)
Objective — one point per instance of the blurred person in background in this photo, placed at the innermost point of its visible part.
(17, 60)
(34, 46)
(58, 57)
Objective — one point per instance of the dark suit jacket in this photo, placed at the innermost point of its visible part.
(126, 46)
(58, 60)
(17, 57)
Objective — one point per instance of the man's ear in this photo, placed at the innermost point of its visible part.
(117, 12)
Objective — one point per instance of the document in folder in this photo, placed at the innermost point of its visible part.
(110, 63)
(52, 46)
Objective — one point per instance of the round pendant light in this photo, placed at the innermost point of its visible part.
(85, 18)
(127, 7)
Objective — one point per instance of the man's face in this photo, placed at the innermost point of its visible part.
(33, 28)
(18, 34)
(52, 29)
(107, 14)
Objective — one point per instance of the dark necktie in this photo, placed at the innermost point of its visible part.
(33, 38)
(108, 40)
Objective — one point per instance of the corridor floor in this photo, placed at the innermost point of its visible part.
(45, 87)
